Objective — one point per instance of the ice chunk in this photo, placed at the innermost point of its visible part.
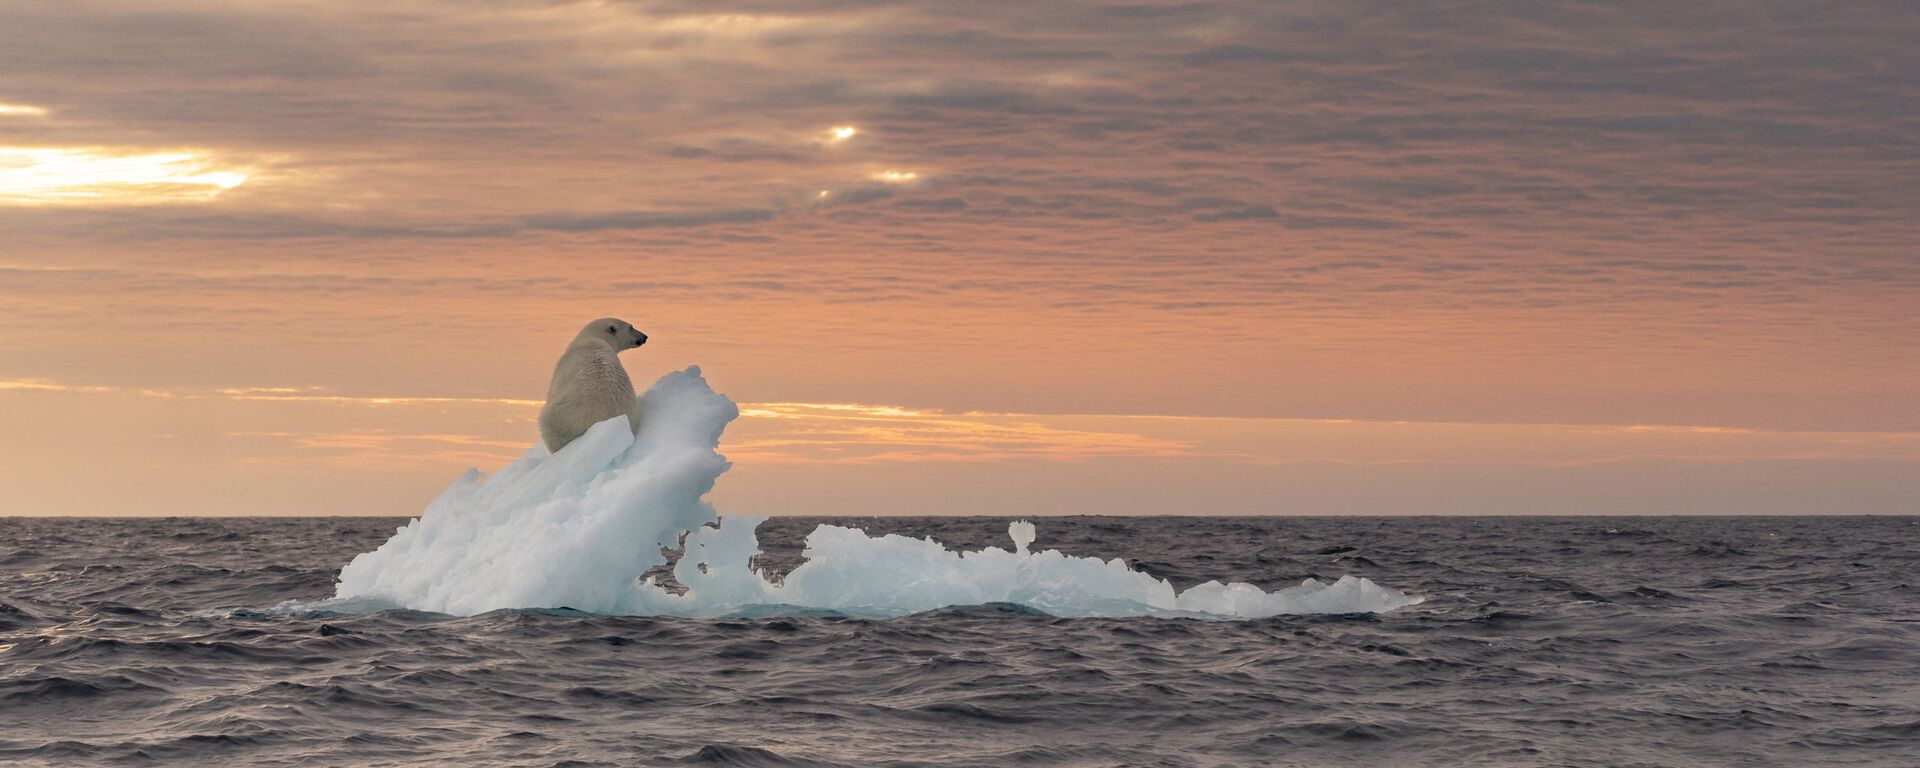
(1022, 533)
(577, 529)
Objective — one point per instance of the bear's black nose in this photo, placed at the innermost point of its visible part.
(643, 338)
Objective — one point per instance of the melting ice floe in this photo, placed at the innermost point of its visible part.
(578, 528)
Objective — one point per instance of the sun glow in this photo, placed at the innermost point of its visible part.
(895, 177)
(22, 110)
(840, 133)
(97, 175)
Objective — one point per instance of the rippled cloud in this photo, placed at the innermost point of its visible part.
(1488, 212)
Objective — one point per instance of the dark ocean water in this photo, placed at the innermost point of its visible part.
(1542, 641)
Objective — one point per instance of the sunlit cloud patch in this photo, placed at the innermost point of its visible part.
(106, 176)
(22, 110)
(850, 433)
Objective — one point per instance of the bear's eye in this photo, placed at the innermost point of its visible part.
(612, 328)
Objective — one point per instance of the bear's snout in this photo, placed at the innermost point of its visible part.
(643, 338)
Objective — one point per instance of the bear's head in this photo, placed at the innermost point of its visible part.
(616, 333)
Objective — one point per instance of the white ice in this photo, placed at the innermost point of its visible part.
(578, 528)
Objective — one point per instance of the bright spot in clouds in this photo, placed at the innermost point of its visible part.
(895, 177)
(22, 110)
(840, 133)
(726, 25)
(96, 175)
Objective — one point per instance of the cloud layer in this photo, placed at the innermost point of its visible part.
(827, 458)
(1470, 212)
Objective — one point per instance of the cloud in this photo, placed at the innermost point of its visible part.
(22, 110)
(935, 205)
(309, 394)
(1248, 213)
(643, 219)
(1186, 184)
(853, 195)
(844, 433)
(102, 176)
(279, 226)
(374, 450)
(861, 434)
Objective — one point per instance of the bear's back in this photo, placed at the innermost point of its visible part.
(589, 386)
(590, 370)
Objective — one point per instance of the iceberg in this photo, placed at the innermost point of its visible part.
(581, 527)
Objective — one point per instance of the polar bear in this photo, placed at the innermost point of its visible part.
(589, 384)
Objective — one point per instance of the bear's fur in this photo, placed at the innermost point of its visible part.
(589, 384)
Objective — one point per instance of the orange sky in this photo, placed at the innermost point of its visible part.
(1378, 256)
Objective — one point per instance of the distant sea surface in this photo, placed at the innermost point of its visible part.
(1542, 641)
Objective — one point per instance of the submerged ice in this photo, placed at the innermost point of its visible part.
(580, 527)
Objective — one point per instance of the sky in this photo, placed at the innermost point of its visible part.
(972, 258)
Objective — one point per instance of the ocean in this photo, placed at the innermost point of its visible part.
(1540, 641)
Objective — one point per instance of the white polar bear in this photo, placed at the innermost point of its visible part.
(589, 384)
